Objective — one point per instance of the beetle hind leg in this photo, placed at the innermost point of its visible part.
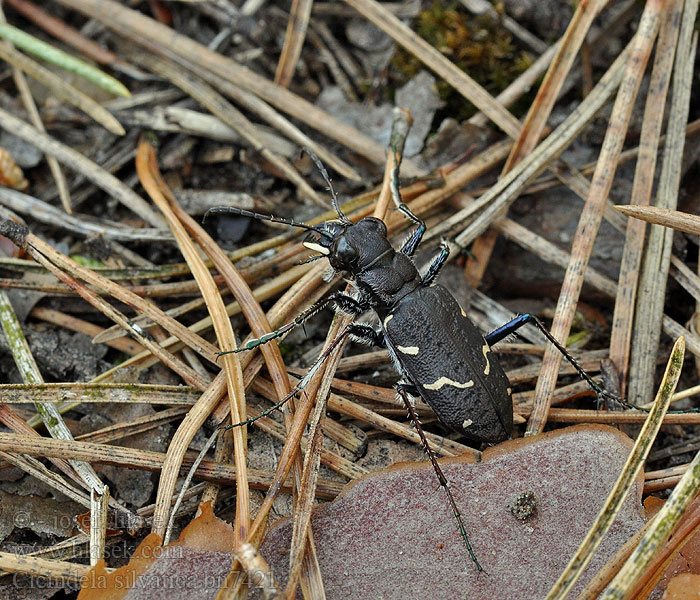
(407, 391)
(516, 323)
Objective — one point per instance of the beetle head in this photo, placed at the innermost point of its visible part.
(350, 247)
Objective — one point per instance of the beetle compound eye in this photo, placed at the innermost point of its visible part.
(344, 253)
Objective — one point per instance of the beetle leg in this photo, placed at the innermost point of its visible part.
(345, 303)
(436, 265)
(365, 334)
(350, 329)
(411, 392)
(403, 390)
(514, 324)
(411, 244)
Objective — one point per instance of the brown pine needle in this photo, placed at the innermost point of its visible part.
(674, 219)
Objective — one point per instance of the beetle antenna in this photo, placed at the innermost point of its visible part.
(253, 215)
(327, 179)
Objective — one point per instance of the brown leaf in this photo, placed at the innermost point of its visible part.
(192, 568)
(391, 533)
(10, 173)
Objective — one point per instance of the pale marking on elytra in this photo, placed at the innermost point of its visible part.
(317, 248)
(485, 349)
(462, 311)
(509, 391)
(408, 349)
(466, 423)
(443, 381)
(388, 318)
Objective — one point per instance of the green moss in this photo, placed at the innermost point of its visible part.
(86, 261)
(479, 45)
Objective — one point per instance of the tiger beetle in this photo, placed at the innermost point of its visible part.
(439, 353)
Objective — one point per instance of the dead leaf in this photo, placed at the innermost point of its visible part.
(392, 535)
(192, 568)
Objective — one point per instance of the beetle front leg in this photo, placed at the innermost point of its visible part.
(345, 303)
(353, 329)
(437, 264)
(411, 244)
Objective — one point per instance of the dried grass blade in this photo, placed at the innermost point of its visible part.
(332, 429)
(630, 264)
(164, 40)
(561, 64)
(56, 259)
(302, 538)
(62, 59)
(99, 501)
(551, 253)
(499, 197)
(33, 112)
(592, 213)
(603, 577)
(664, 524)
(167, 395)
(69, 157)
(62, 89)
(626, 481)
(674, 219)
(646, 331)
(286, 306)
(148, 171)
(334, 461)
(126, 345)
(249, 306)
(14, 422)
(60, 30)
(252, 562)
(30, 373)
(297, 25)
(229, 114)
(145, 460)
(113, 433)
(79, 223)
(186, 483)
(685, 277)
(401, 123)
(685, 530)
(48, 256)
(31, 466)
(42, 567)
